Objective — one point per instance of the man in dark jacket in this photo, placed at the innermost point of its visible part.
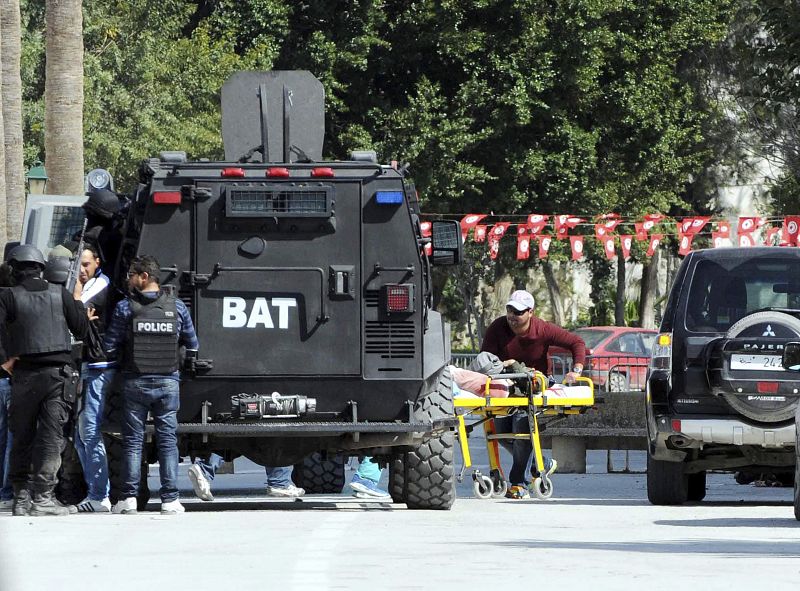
(39, 318)
(519, 336)
(93, 289)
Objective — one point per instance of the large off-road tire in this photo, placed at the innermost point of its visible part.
(318, 476)
(765, 409)
(697, 486)
(667, 483)
(71, 488)
(424, 478)
(797, 469)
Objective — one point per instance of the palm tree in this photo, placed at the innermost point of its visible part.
(63, 97)
(10, 48)
(3, 232)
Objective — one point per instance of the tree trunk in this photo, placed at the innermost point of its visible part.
(3, 226)
(619, 299)
(63, 97)
(554, 291)
(647, 311)
(11, 45)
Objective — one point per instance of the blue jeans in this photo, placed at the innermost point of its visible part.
(160, 396)
(521, 449)
(6, 490)
(88, 437)
(280, 476)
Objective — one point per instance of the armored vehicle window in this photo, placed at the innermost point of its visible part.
(67, 221)
(721, 295)
(281, 201)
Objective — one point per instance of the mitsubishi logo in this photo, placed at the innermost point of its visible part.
(768, 332)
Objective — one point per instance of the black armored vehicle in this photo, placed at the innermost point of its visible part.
(718, 395)
(309, 283)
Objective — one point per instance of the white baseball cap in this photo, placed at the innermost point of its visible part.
(521, 300)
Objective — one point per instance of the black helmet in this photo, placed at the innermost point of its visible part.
(57, 270)
(103, 203)
(26, 253)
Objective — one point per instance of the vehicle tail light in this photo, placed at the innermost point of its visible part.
(278, 172)
(662, 352)
(232, 172)
(676, 425)
(322, 172)
(398, 298)
(767, 387)
(167, 197)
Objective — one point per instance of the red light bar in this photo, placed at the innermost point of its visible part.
(767, 387)
(232, 172)
(676, 425)
(321, 172)
(278, 172)
(167, 197)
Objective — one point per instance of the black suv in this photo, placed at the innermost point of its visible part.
(718, 397)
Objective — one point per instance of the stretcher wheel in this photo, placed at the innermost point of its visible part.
(482, 485)
(543, 488)
(499, 488)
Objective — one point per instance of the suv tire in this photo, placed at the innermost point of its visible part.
(697, 486)
(763, 412)
(424, 478)
(667, 483)
(320, 477)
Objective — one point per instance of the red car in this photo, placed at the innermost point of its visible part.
(616, 356)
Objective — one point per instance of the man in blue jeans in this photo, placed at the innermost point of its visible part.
(93, 289)
(145, 333)
(203, 471)
(6, 490)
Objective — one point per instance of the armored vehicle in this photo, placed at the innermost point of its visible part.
(718, 396)
(310, 287)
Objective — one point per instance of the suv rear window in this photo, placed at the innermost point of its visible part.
(724, 292)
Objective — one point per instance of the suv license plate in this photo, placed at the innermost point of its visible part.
(768, 362)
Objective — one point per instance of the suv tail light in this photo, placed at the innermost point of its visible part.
(398, 298)
(662, 352)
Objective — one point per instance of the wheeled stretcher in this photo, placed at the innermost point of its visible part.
(543, 406)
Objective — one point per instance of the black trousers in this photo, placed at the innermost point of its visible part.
(37, 417)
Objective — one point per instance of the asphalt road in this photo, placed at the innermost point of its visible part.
(598, 532)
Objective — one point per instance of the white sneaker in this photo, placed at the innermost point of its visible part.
(172, 508)
(88, 505)
(290, 491)
(200, 484)
(125, 506)
(6, 505)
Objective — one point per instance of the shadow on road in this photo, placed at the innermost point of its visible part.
(771, 523)
(306, 504)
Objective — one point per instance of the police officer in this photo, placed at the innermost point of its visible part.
(103, 220)
(144, 334)
(39, 317)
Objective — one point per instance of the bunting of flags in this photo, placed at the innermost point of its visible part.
(751, 231)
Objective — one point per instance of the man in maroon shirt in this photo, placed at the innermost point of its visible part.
(521, 336)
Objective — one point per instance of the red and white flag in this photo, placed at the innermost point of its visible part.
(655, 240)
(608, 247)
(719, 240)
(425, 229)
(564, 223)
(641, 231)
(692, 225)
(577, 247)
(470, 221)
(544, 245)
(626, 242)
(724, 229)
(791, 230)
(750, 224)
(772, 237)
(685, 244)
(536, 223)
(480, 233)
(494, 236)
(746, 239)
(523, 243)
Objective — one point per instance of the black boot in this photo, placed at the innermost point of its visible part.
(22, 501)
(44, 504)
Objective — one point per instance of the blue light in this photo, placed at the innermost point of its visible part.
(388, 197)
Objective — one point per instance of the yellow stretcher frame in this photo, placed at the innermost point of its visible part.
(486, 409)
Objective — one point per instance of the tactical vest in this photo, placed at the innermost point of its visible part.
(152, 344)
(39, 325)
